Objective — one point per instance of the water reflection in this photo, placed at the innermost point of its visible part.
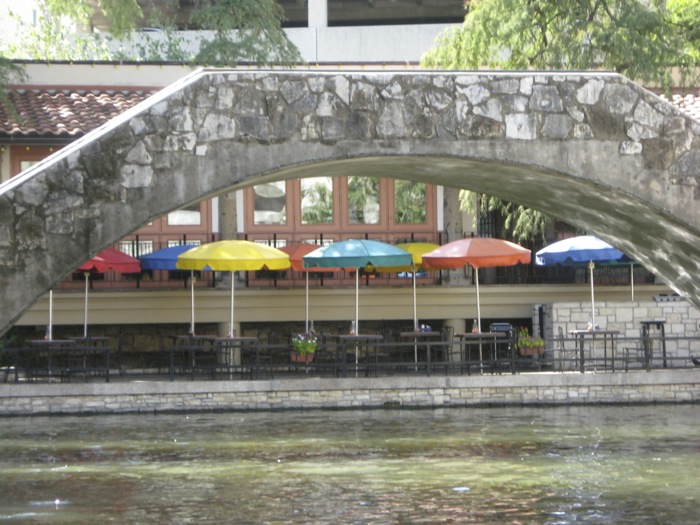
(508, 465)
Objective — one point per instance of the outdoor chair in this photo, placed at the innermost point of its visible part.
(567, 356)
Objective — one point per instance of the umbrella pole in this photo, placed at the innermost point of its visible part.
(357, 302)
(415, 319)
(230, 326)
(478, 302)
(478, 319)
(191, 302)
(85, 317)
(307, 302)
(591, 266)
(415, 313)
(632, 279)
(357, 314)
(49, 335)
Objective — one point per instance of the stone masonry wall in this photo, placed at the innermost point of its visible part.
(682, 325)
(677, 386)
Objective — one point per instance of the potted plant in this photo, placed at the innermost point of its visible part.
(304, 346)
(529, 345)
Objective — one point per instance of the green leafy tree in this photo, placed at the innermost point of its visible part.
(363, 194)
(9, 73)
(257, 40)
(320, 211)
(409, 202)
(520, 223)
(244, 30)
(640, 39)
(643, 40)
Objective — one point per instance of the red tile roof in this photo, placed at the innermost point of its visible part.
(688, 103)
(64, 112)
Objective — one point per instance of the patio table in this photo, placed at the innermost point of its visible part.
(358, 341)
(421, 340)
(193, 348)
(230, 349)
(605, 335)
(93, 347)
(481, 338)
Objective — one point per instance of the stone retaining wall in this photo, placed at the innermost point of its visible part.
(681, 324)
(676, 386)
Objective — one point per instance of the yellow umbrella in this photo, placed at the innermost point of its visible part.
(232, 256)
(417, 250)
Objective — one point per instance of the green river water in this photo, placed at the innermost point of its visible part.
(602, 465)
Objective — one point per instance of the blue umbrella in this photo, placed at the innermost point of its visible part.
(581, 249)
(166, 259)
(357, 253)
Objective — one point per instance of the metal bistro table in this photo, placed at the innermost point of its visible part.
(421, 339)
(605, 335)
(474, 338)
(366, 341)
(192, 348)
(89, 349)
(230, 350)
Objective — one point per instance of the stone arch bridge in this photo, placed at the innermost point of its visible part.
(592, 148)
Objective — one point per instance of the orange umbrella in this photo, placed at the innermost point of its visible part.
(296, 252)
(479, 252)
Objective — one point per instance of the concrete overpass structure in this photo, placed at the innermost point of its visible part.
(592, 148)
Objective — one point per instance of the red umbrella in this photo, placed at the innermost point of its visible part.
(111, 259)
(107, 259)
(479, 252)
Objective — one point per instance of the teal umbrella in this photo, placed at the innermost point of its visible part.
(357, 253)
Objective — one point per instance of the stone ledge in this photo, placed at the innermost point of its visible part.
(316, 393)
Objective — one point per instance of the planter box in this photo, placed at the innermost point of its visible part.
(298, 358)
(531, 350)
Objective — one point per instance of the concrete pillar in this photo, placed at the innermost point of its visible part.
(228, 222)
(458, 326)
(318, 13)
(222, 331)
(454, 229)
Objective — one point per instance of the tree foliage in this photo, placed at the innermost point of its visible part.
(520, 224)
(9, 73)
(256, 39)
(643, 39)
(640, 39)
(123, 15)
(243, 30)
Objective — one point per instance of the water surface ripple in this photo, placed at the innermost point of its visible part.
(600, 465)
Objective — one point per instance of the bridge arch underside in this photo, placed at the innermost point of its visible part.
(660, 242)
(648, 235)
(193, 141)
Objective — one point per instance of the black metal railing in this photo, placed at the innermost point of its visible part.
(209, 358)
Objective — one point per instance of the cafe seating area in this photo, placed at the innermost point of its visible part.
(412, 353)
